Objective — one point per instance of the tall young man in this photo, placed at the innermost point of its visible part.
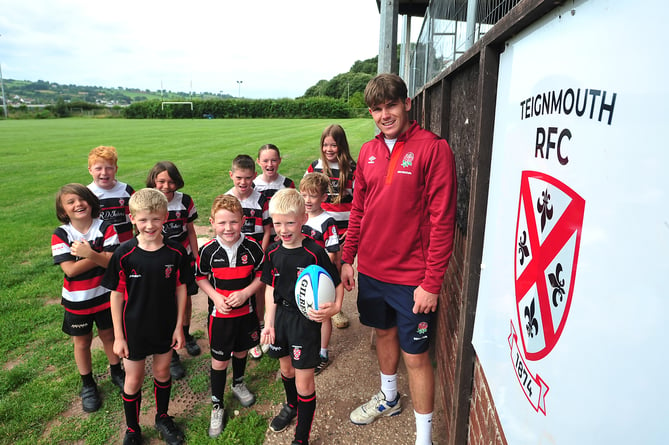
(401, 228)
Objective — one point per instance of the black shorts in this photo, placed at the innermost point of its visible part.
(139, 351)
(81, 324)
(228, 335)
(384, 305)
(192, 288)
(296, 335)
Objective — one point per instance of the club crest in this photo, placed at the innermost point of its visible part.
(548, 235)
(297, 352)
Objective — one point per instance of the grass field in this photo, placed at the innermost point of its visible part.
(38, 378)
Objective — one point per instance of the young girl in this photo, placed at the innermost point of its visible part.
(82, 246)
(268, 183)
(338, 164)
(165, 177)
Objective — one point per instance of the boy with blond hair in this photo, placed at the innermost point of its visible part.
(228, 271)
(113, 194)
(293, 338)
(148, 276)
(322, 227)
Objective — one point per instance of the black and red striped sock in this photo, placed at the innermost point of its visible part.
(291, 391)
(162, 392)
(306, 408)
(131, 405)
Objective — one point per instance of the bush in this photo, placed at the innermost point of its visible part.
(307, 108)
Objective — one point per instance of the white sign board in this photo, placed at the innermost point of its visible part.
(574, 290)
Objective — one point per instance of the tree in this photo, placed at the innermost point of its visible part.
(317, 90)
(345, 85)
(369, 66)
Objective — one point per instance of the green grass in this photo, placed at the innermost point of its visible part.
(38, 377)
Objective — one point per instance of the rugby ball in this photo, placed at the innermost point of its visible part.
(314, 287)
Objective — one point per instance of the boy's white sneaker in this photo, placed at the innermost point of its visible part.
(255, 352)
(217, 422)
(378, 406)
(242, 393)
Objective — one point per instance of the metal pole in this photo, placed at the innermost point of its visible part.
(2, 87)
(4, 99)
(388, 37)
(405, 55)
(472, 5)
(239, 88)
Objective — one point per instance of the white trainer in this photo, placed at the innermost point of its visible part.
(242, 393)
(378, 406)
(217, 422)
(255, 352)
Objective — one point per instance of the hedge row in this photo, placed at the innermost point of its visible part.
(314, 108)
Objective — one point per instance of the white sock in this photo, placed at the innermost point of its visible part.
(423, 428)
(324, 352)
(389, 386)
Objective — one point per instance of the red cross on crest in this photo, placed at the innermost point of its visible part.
(548, 236)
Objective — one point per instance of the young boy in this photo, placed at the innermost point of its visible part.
(322, 227)
(228, 272)
(293, 338)
(256, 219)
(148, 276)
(113, 194)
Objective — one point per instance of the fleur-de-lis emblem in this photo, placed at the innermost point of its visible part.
(544, 208)
(523, 250)
(532, 325)
(558, 284)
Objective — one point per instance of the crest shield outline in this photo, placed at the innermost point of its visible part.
(548, 235)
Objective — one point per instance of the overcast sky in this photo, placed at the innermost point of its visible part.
(276, 48)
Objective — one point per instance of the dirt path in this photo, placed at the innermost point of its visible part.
(350, 380)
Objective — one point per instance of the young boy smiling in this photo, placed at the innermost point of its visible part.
(112, 193)
(256, 218)
(148, 276)
(228, 272)
(322, 227)
(293, 338)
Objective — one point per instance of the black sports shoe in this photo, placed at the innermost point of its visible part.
(169, 430)
(177, 370)
(192, 347)
(325, 361)
(118, 380)
(283, 419)
(90, 399)
(132, 437)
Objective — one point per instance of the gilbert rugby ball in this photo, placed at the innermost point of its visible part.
(314, 286)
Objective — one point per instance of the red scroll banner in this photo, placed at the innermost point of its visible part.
(534, 387)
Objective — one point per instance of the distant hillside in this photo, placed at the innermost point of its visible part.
(23, 92)
(347, 86)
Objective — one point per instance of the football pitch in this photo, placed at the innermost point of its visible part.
(38, 377)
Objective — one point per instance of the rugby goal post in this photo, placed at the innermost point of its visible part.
(162, 104)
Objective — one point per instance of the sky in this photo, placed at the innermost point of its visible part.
(277, 49)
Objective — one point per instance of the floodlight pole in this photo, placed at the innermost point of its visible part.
(2, 87)
(239, 88)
